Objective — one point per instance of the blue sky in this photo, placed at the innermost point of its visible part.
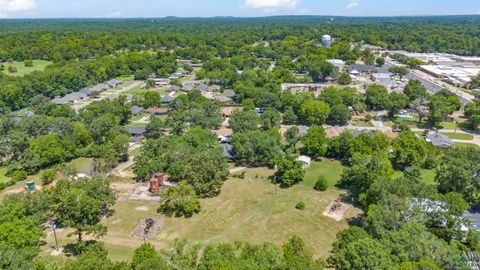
(243, 8)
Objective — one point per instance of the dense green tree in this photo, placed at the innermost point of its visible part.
(289, 171)
(270, 119)
(376, 97)
(256, 148)
(408, 151)
(472, 112)
(458, 172)
(315, 141)
(314, 112)
(179, 200)
(364, 254)
(292, 136)
(339, 115)
(244, 120)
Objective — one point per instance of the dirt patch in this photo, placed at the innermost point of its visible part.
(142, 208)
(147, 228)
(336, 210)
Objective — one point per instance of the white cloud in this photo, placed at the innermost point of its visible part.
(353, 4)
(271, 4)
(7, 6)
(115, 14)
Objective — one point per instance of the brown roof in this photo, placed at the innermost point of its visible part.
(227, 111)
(333, 132)
(156, 110)
(391, 134)
(223, 132)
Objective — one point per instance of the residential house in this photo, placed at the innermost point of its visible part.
(188, 88)
(114, 83)
(136, 131)
(439, 140)
(227, 112)
(60, 101)
(167, 99)
(157, 111)
(223, 99)
(173, 88)
(160, 82)
(202, 88)
(135, 110)
(214, 88)
(229, 93)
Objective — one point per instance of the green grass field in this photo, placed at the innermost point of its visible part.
(23, 70)
(3, 177)
(247, 209)
(459, 136)
(330, 169)
(467, 145)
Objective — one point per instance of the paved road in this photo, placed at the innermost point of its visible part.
(125, 165)
(115, 95)
(432, 86)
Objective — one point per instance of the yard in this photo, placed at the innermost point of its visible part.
(23, 70)
(330, 169)
(246, 210)
(3, 177)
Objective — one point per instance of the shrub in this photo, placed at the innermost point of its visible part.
(300, 206)
(28, 63)
(19, 175)
(12, 69)
(48, 176)
(321, 184)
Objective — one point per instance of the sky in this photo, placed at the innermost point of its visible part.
(238, 8)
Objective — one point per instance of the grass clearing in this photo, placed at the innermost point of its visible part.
(3, 177)
(331, 169)
(459, 136)
(22, 70)
(466, 144)
(245, 210)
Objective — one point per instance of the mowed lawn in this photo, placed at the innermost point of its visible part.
(330, 169)
(249, 209)
(3, 177)
(23, 70)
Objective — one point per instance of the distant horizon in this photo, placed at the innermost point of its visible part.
(240, 17)
(94, 9)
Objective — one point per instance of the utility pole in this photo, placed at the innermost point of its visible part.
(54, 234)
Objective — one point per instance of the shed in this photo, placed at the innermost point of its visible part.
(305, 160)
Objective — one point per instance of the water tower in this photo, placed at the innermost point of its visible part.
(326, 41)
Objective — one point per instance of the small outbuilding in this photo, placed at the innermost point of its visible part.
(305, 160)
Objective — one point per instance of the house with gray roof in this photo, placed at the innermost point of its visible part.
(136, 131)
(223, 99)
(114, 83)
(60, 101)
(135, 110)
(214, 88)
(360, 132)
(229, 93)
(167, 99)
(188, 88)
(366, 69)
(173, 88)
(439, 140)
(202, 88)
